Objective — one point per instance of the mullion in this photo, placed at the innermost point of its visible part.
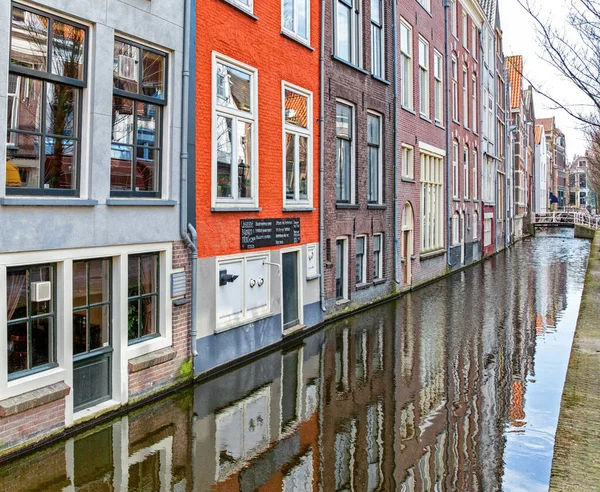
(49, 47)
(134, 156)
(42, 149)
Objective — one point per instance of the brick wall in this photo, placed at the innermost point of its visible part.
(154, 377)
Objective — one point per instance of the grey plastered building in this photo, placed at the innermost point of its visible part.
(90, 105)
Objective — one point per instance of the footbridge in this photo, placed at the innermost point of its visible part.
(566, 219)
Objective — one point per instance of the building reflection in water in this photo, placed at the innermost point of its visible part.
(413, 395)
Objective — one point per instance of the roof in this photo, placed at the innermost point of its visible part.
(547, 123)
(515, 78)
(539, 129)
(489, 7)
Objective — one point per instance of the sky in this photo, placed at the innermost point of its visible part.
(520, 39)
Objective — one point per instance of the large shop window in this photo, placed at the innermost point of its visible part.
(91, 305)
(298, 146)
(139, 99)
(234, 121)
(46, 81)
(31, 316)
(143, 298)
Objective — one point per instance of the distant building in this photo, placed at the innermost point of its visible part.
(580, 192)
(541, 170)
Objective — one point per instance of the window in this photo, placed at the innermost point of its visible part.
(475, 173)
(423, 77)
(377, 256)
(491, 119)
(234, 132)
(297, 123)
(454, 18)
(31, 318)
(408, 162)
(142, 296)
(464, 33)
(361, 264)
(490, 49)
(473, 40)
(137, 109)
(348, 31)
(374, 157)
(455, 169)
(432, 201)
(474, 108)
(426, 4)
(475, 224)
(487, 231)
(439, 87)
(466, 172)
(91, 305)
(341, 268)
(296, 18)
(46, 82)
(377, 45)
(455, 229)
(344, 123)
(465, 95)
(244, 4)
(454, 89)
(406, 67)
(485, 112)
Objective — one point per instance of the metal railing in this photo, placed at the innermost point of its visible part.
(568, 218)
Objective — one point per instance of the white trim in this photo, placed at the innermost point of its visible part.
(381, 119)
(300, 280)
(365, 257)
(343, 102)
(431, 149)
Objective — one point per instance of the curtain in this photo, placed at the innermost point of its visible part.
(16, 283)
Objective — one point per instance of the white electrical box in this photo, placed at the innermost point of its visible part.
(256, 284)
(41, 291)
(311, 260)
(230, 295)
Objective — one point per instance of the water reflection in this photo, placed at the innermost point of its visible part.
(455, 387)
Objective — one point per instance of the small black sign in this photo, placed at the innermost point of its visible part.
(259, 233)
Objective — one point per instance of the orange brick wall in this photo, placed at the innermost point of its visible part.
(260, 44)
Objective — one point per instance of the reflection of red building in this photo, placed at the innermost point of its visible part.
(516, 412)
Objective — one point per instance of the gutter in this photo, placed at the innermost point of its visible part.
(395, 143)
(448, 133)
(186, 230)
(322, 160)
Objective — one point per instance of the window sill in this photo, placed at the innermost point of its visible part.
(455, 121)
(139, 202)
(47, 202)
(432, 254)
(33, 399)
(379, 281)
(347, 206)
(383, 81)
(425, 118)
(235, 209)
(363, 286)
(291, 208)
(455, 199)
(376, 206)
(313, 277)
(294, 37)
(240, 8)
(408, 110)
(341, 302)
(151, 359)
(408, 180)
(439, 125)
(147, 347)
(351, 65)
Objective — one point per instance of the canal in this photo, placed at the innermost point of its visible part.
(454, 387)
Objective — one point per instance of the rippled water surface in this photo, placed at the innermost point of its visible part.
(454, 387)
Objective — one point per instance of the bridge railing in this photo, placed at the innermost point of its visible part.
(567, 218)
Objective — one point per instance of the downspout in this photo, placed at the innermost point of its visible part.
(448, 133)
(322, 160)
(395, 143)
(185, 228)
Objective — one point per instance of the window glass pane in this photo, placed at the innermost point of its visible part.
(99, 322)
(233, 88)
(296, 109)
(59, 164)
(153, 75)
(288, 14)
(133, 324)
(290, 166)
(133, 276)
(79, 284)
(16, 290)
(244, 156)
(224, 156)
(343, 170)
(146, 169)
(302, 28)
(42, 341)
(148, 317)
(343, 121)
(149, 272)
(303, 168)
(126, 72)
(80, 327)
(147, 124)
(29, 40)
(376, 11)
(343, 30)
(373, 124)
(25, 112)
(23, 162)
(68, 44)
(17, 347)
(61, 109)
(99, 273)
(122, 123)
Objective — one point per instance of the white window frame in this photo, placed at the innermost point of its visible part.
(465, 90)
(423, 77)
(379, 69)
(474, 108)
(455, 190)
(379, 200)
(352, 198)
(378, 274)
(406, 66)
(487, 229)
(475, 175)
(491, 118)
(408, 161)
(465, 33)
(438, 73)
(426, 4)
(355, 34)
(293, 32)
(242, 5)
(251, 118)
(454, 18)
(466, 171)
(454, 74)
(455, 229)
(365, 257)
(298, 131)
(484, 100)
(473, 39)
(432, 198)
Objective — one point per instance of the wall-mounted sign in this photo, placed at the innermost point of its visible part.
(260, 233)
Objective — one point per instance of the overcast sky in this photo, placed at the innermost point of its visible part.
(520, 39)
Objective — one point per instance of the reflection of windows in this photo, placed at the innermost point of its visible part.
(347, 30)
(142, 306)
(46, 81)
(31, 316)
(360, 356)
(138, 103)
(344, 129)
(296, 17)
(298, 146)
(341, 361)
(234, 120)
(345, 442)
(374, 446)
(300, 477)
(374, 159)
(291, 385)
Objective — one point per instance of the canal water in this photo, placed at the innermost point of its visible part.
(454, 387)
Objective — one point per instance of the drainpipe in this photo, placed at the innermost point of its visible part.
(322, 160)
(395, 143)
(448, 134)
(184, 227)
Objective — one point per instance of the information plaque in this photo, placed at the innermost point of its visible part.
(260, 233)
